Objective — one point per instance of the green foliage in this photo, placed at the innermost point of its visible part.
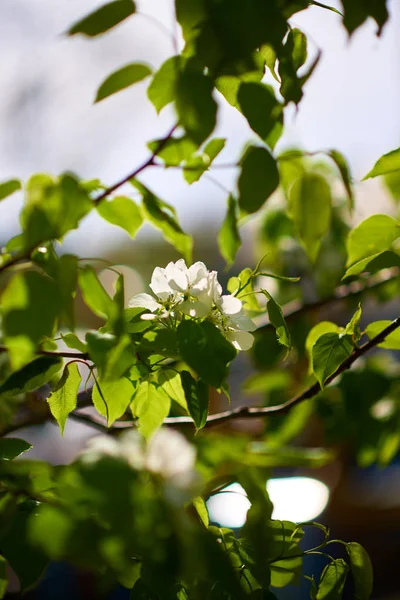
(131, 507)
(62, 400)
(121, 79)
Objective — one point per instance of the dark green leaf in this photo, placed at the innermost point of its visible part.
(355, 13)
(345, 174)
(292, 56)
(122, 79)
(3, 577)
(9, 187)
(332, 580)
(31, 377)
(11, 448)
(204, 349)
(277, 320)
(315, 333)
(104, 18)
(156, 212)
(372, 236)
(314, 3)
(30, 304)
(262, 111)
(94, 294)
(392, 342)
(195, 105)
(64, 396)
(150, 404)
(328, 353)
(162, 89)
(112, 398)
(196, 393)
(310, 207)
(229, 85)
(123, 212)
(228, 237)
(258, 179)
(361, 569)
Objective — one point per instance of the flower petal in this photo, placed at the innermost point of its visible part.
(144, 301)
(241, 340)
(176, 276)
(242, 321)
(229, 305)
(197, 272)
(159, 284)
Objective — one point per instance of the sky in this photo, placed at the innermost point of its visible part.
(49, 123)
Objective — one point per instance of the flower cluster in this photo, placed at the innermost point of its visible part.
(195, 292)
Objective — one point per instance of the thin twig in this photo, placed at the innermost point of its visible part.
(139, 169)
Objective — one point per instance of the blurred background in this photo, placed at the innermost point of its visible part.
(48, 123)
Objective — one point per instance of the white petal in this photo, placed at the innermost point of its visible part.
(241, 340)
(243, 322)
(144, 301)
(169, 454)
(177, 278)
(148, 317)
(159, 284)
(197, 272)
(215, 289)
(229, 305)
(180, 264)
(195, 309)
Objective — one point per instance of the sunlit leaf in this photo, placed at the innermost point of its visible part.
(123, 212)
(9, 187)
(63, 398)
(150, 404)
(122, 79)
(94, 294)
(31, 376)
(112, 398)
(392, 341)
(315, 333)
(328, 353)
(310, 207)
(361, 569)
(332, 580)
(370, 237)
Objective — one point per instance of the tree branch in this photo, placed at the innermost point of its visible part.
(147, 163)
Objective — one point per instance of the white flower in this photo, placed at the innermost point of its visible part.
(232, 320)
(168, 455)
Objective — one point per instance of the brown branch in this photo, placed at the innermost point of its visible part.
(147, 163)
(296, 308)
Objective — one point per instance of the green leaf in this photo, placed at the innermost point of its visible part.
(159, 214)
(94, 294)
(72, 341)
(112, 398)
(229, 85)
(195, 105)
(332, 580)
(293, 55)
(376, 262)
(122, 79)
(262, 111)
(3, 577)
(314, 3)
(30, 306)
(150, 405)
(11, 448)
(197, 165)
(310, 205)
(277, 320)
(175, 151)
(361, 569)
(244, 282)
(31, 377)
(170, 382)
(353, 327)
(315, 333)
(355, 13)
(104, 18)
(52, 208)
(7, 188)
(113, 355)
(63, 399)
(228, 237)
(372, 236)
(328, 353)
(201, 509)
(204, 349)
(123, 212)
(162, 89)
(392, 342)
(345, 174)
(259, 178)
(196, 393)
(388, 163)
